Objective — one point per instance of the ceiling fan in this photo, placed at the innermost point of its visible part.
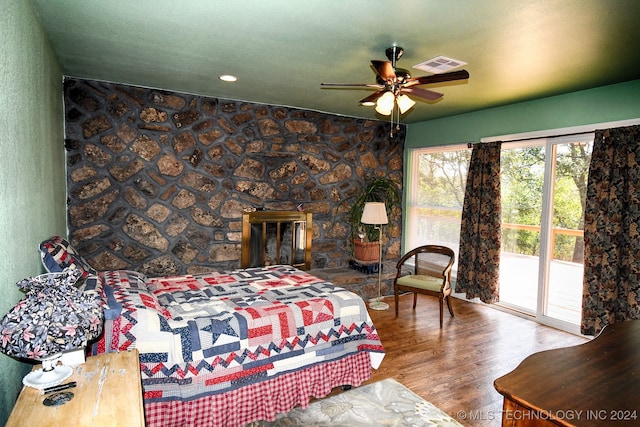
(394, 85)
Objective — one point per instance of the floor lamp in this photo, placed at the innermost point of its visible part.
(375, 213)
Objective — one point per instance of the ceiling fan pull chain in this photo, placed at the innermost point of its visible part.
(391, 125)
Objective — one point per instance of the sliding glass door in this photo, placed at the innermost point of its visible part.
(543, 194)
(522, 184)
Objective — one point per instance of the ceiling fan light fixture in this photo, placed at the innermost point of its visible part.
(383, 111)
(405, 103)
(385, 104)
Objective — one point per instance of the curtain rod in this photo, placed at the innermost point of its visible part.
(560, 132)
(530, 138)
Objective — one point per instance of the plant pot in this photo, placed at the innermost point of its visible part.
(366, 251)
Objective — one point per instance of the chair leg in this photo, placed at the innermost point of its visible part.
(441, 310)
(396, 294)
(415, 299)
(449, 305)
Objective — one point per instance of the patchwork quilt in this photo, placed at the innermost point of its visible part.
(199, 335)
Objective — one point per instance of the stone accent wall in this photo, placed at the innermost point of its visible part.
(157, 181)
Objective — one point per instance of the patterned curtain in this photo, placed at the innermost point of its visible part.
(611, 288)
(479, 257)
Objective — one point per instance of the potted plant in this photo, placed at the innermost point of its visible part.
(365, 236)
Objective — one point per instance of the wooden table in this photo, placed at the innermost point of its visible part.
(108, 393)
(592, 384)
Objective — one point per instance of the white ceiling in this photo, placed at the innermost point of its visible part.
(282, 50)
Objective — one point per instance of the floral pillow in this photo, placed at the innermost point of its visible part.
(58, 254)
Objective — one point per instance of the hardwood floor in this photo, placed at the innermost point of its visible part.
(454, 367)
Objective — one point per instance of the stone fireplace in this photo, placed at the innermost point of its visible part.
(158, 181)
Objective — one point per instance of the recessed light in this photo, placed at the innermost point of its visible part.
(228, 78)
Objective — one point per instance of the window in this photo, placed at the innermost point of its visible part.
(436, 188)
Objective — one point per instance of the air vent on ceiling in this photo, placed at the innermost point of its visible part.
(439, 64)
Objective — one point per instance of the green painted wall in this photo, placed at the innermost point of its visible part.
(599, 105)
(32, 167)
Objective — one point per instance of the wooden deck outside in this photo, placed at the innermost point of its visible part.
(518, 286)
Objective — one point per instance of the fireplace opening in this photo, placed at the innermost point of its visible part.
(277, 237)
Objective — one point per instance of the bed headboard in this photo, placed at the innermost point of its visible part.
(276, 237)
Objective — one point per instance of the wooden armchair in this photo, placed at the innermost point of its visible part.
(431, 275)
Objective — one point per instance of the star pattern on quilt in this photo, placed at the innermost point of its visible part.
(220, 328)
(316, 310)
(250, 300)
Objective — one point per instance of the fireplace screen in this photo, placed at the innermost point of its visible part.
(277, 237)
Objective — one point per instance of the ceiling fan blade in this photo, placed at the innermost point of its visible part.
(352, 85)
(423, 93)
(384, 69)
(439, 78)
(373, 97)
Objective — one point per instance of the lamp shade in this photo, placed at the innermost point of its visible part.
(374, 213)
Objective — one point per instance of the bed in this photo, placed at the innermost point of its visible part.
(231, 348)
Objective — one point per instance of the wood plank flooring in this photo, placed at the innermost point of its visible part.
(454, 367)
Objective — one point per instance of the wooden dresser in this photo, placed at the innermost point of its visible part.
(108, 393)
(592, 384)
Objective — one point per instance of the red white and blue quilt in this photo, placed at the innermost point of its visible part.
(206, 334)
